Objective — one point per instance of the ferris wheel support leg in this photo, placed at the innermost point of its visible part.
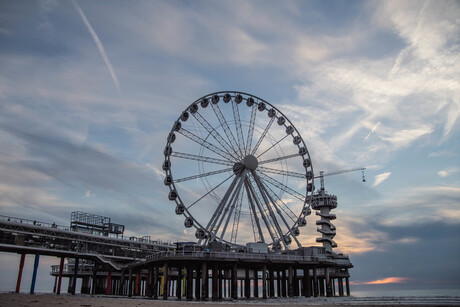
(232, 204)
(254, 214)
(270, 210)
(279, 212)
(264, 217)
(219, 208)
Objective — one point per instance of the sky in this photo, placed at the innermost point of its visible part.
(89, 91)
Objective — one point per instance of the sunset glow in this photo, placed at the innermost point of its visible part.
(388, 280)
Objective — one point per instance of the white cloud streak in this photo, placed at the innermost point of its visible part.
(381, 178)
(447, 172)
(99, 45)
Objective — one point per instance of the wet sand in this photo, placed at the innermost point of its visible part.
(13, 299)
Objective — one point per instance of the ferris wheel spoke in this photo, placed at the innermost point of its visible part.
(269, 203)
(256, 229)
(281, 172)
(224, 124)
(201, 158)
(252, 194)
(281, 186)
(204, 175)
(279, 159)
(215, 134)
(206, 144)
(282, 204)
(221, 205)
(251, 129)
(273, 146)
(263, 135)
(228, 209)
(236, 217)
(210, 191)
(239, 129)
(277, 209)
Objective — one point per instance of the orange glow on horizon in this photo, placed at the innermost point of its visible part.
(388, 280)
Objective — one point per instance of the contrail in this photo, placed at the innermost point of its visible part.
(98, 44)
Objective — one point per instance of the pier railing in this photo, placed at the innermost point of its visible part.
(230, 255)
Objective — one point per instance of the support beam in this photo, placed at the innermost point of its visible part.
(165, 281)
(61, 268)
(256, 283)
(283, 283)
(155, 282)
(279, 291)
(340, 286)
(75, 274)
(130, 282)
(221, 282)
(235, 282)
(271, 282)
(179, 283)
(247, 284)
(150, 283)
(296, 282)
(94, 280)
(109, 283)
(189, 284)
(138, 281)
(34, 274)
(333, 286)
(328, 283)
(315, 283)
(122, 283)
(347, 284)
(204, 280)
(264, 281)
(197, 284)
(215, 282)
(290, 282)
(21, 267)
(321, 286)
(55, 284)
(306, 283)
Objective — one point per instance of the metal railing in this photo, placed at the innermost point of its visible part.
(229, 255)
(145, 239)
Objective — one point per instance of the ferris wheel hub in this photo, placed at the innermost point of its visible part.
(250, 162)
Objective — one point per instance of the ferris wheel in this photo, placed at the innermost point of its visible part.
(238, 171)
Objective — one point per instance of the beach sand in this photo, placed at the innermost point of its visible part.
(13, 299)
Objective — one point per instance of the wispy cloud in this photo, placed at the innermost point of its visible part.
(388, 280)
(381, 178)
(447, 171)
(99, 45)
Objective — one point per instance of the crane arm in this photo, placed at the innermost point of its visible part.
(321, 174)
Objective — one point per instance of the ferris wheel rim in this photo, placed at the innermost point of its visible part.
(287, 123)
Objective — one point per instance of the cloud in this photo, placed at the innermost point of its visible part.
(442, 153)
(404, 138)
(388, 280)
(99, 45)
(447, 172)
(381, 178)
(372, 131)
